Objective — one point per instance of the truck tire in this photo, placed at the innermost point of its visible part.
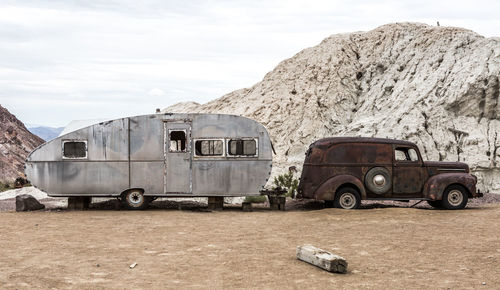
(455, 197)
(378, 180)
(347, 198)
(435, 203)
(134, 199)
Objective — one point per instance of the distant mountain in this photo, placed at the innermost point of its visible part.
(46, 133)
(16, 142)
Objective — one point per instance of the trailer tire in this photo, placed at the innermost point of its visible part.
(134, 199)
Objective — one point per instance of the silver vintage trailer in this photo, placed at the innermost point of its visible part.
(160, 155)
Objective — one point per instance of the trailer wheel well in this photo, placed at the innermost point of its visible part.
(129, 189)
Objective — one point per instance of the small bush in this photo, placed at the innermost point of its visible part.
(288, 182)
(256, 199)
(4, 186)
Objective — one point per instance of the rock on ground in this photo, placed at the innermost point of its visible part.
(26, 202)
(436, 86)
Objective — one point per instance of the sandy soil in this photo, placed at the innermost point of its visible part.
(386, 247)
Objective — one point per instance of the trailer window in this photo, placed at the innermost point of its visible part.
(177, 141)
(242, 147)
(209, 148)
(75, 149)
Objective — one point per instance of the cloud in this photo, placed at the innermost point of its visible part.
(156, 92)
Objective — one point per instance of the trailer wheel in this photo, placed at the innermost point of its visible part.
(435, 203)
(455, 197)
(347, 198)
(135, 199)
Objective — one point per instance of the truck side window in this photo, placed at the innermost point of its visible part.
(242, 147)
(75, 149)
(177, 141)
(208, 148)
(399, 154)
(405, 154)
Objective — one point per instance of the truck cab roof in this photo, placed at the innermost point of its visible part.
(327, 142)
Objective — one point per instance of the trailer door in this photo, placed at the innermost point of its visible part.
(177, 152)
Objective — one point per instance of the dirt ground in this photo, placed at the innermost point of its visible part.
(386, 246)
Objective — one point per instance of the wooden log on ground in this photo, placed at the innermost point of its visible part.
(215, 203)
(323, 259)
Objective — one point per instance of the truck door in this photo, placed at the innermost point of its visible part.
(408, 172)
(177, 151)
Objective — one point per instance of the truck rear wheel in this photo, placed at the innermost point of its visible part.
(455, 197)
(347, 198)
(135, 199)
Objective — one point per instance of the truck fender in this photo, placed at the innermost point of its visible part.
(327, 190)
(435, 186)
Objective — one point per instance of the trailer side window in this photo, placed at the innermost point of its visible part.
(208, 148)
(177, 141)
(75, 149)
(242, 147)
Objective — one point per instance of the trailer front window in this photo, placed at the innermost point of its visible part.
(74, 149)
(177, 141)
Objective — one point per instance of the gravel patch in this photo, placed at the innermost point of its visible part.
(8, 203)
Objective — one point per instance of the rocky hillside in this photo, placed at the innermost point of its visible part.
(16, 142)
(436, 86)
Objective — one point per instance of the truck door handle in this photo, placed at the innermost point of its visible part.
(186, 158)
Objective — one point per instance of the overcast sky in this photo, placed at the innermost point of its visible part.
(66, 60)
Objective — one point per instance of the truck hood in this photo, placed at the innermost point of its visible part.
(447, 166)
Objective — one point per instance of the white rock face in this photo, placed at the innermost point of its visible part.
(435, 86)
(35, 192)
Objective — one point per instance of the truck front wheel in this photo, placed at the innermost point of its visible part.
(455, 197)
